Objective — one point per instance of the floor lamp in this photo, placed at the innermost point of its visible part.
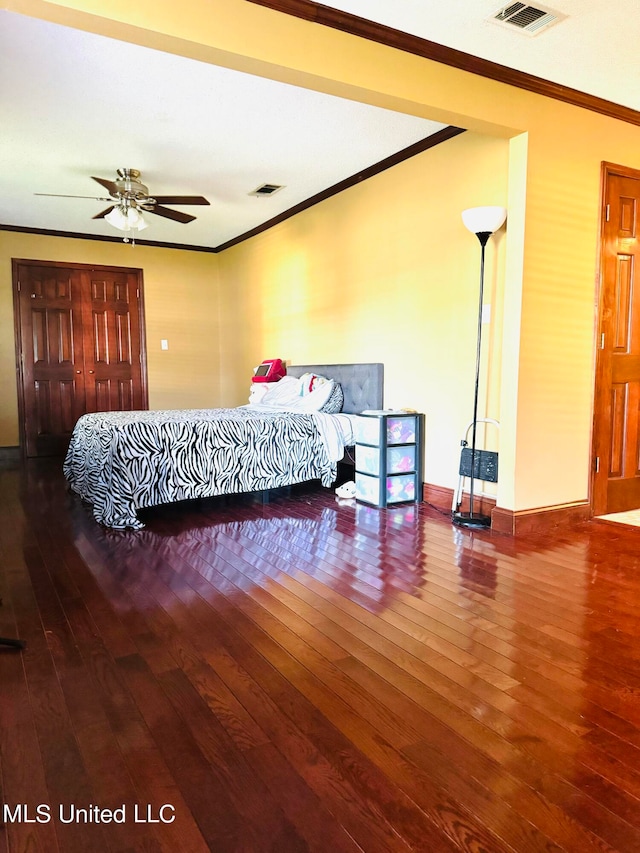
(483, 222)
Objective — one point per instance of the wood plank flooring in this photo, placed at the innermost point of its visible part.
(310, 675)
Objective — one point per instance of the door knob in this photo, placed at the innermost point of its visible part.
(78, 371)
(92, 371)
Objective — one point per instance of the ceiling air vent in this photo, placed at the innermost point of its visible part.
(266, 189)
(528, 19)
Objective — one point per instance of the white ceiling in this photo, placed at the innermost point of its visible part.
(74, 105)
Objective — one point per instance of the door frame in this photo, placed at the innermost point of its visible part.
(17, 325)
(600, 451)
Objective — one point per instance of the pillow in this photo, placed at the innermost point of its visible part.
(318, 386)
(282, 394)
(309, 393)
(311, 382)
(315, 392)
(257, 392)
(335, 401)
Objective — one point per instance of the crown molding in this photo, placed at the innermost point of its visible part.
(411, 151)
(102, 238)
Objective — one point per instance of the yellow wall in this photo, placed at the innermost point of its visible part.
(554, 174)
(387, 272)
(365, 276)
(181, 306)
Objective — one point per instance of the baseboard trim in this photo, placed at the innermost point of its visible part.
(442, 498)
(538, 520)
(10, 454)
(507, 521)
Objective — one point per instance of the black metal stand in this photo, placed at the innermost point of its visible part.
(14, 644)
(473, 519)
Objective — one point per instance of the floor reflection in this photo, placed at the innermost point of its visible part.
(367, 554)
(478, 569)
(611, 646)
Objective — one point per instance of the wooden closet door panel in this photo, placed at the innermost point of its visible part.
(51, 356)
(113, 361)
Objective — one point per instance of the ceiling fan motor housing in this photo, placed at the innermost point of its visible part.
(129, 187)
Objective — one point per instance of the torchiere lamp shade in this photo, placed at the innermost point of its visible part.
(484, 220)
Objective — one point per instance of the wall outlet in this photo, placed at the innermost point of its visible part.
(164, 344)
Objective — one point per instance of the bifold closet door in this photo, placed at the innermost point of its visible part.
(112, 346)
(80, 348)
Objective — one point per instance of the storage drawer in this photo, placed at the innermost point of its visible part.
(391, 429)
(400, 460)
(389, 490)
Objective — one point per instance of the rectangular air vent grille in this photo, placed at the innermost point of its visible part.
(526, 18)
(266, 189)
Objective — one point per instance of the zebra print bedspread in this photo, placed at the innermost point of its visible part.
(121, 461)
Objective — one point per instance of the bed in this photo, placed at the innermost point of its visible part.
(120, 462)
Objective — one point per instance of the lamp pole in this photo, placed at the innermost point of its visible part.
(483, 222)
(472, 519)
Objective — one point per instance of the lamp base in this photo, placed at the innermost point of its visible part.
(471, 519)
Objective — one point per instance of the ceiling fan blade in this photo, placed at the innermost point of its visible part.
(176, 215)
(108, 185)
(180, 199)
(59, 195)
(104, 213)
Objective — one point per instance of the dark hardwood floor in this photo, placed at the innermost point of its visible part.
(313, 675)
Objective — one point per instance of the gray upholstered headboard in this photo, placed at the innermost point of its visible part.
(362, 384)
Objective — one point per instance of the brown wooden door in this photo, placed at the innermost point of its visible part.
(80, 348)
(51, 336)
(112, 353)
(616, 484)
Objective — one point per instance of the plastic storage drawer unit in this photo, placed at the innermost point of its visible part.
(389, 457)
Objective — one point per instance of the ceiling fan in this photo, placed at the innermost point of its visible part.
(128, 193)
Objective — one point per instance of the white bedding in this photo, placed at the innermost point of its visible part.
(336, 431)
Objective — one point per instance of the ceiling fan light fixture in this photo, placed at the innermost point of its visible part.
(136, 219)
(117, 218)
(126, 219)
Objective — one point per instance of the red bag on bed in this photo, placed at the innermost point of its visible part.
(271, 370)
